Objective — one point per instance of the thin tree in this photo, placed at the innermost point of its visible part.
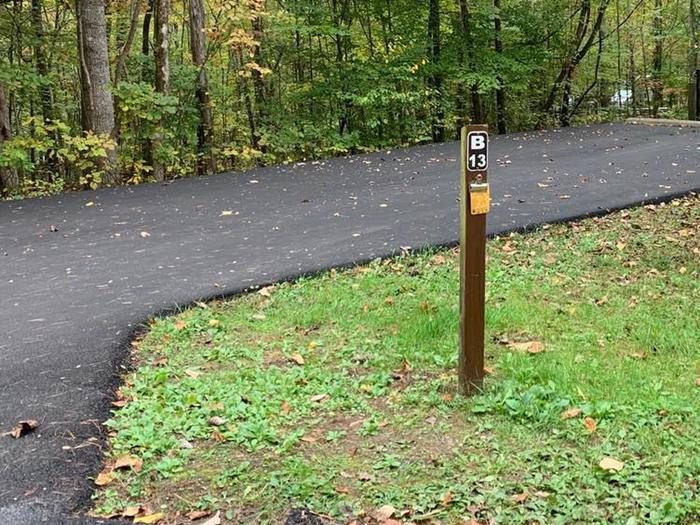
(657, 59)
(693, 102)
(9, 179)
(162, 62)
(477, 114)
(500, 90)
(584, 38)
(205, 127)
(435, 76)
(97, 103)
(42, 65)
(125, 47)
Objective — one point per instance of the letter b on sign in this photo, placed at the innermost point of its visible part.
(478, 151)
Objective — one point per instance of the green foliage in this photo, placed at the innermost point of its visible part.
(55, 146)
(304, 79)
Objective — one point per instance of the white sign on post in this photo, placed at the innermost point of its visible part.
(478, 151)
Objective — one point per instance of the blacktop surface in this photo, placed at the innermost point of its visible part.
(80, 273)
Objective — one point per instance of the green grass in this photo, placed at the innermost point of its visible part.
(371, 416)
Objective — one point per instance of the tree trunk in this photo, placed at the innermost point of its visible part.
(8, 177)
(42, 65)
(97, 103)
(120, 68)
(435, 78)
(205, 163)
(580, 47)
(693, 102)
(500, 90)
(657, 60)
(477, 116)
(146, 30)
(259, 105)
(162, 62)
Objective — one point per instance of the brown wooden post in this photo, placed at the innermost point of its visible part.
(474, 205)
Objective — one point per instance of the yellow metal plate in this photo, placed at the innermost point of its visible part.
(480, 202)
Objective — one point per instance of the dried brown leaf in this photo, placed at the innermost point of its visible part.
(22, 428)
(198, 514)
(590, 425)
(531, 347)
(104, 478)
(611, 464)
(571, 413)
(521, 498)
(128, 462)
(383, 513)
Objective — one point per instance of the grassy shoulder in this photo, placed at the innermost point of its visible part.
(338, 394)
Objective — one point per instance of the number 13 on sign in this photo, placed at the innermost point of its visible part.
(478, 153)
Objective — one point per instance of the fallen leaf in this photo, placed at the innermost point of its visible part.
(131, 512)
(217, 421)
(438, 259)
(198, 514)
(571, 413)
(104, 478)
(214, 323)
(226, 213)
(383, 513)
(590, 425)
(286, 409)
(319, 398)
(266, 292)
(531, 347)
(214, 520)
(342, 489)
(180, 324)
(611, 464)
(389, 301)
(89, 204)
(128, 462)
(150, 518)
(145, 234)
(447, 499)
(297, 358)
(23, 428)
(521, 498)
(697, 382)
(194, 374)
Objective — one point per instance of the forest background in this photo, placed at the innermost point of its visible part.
(96, 93)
